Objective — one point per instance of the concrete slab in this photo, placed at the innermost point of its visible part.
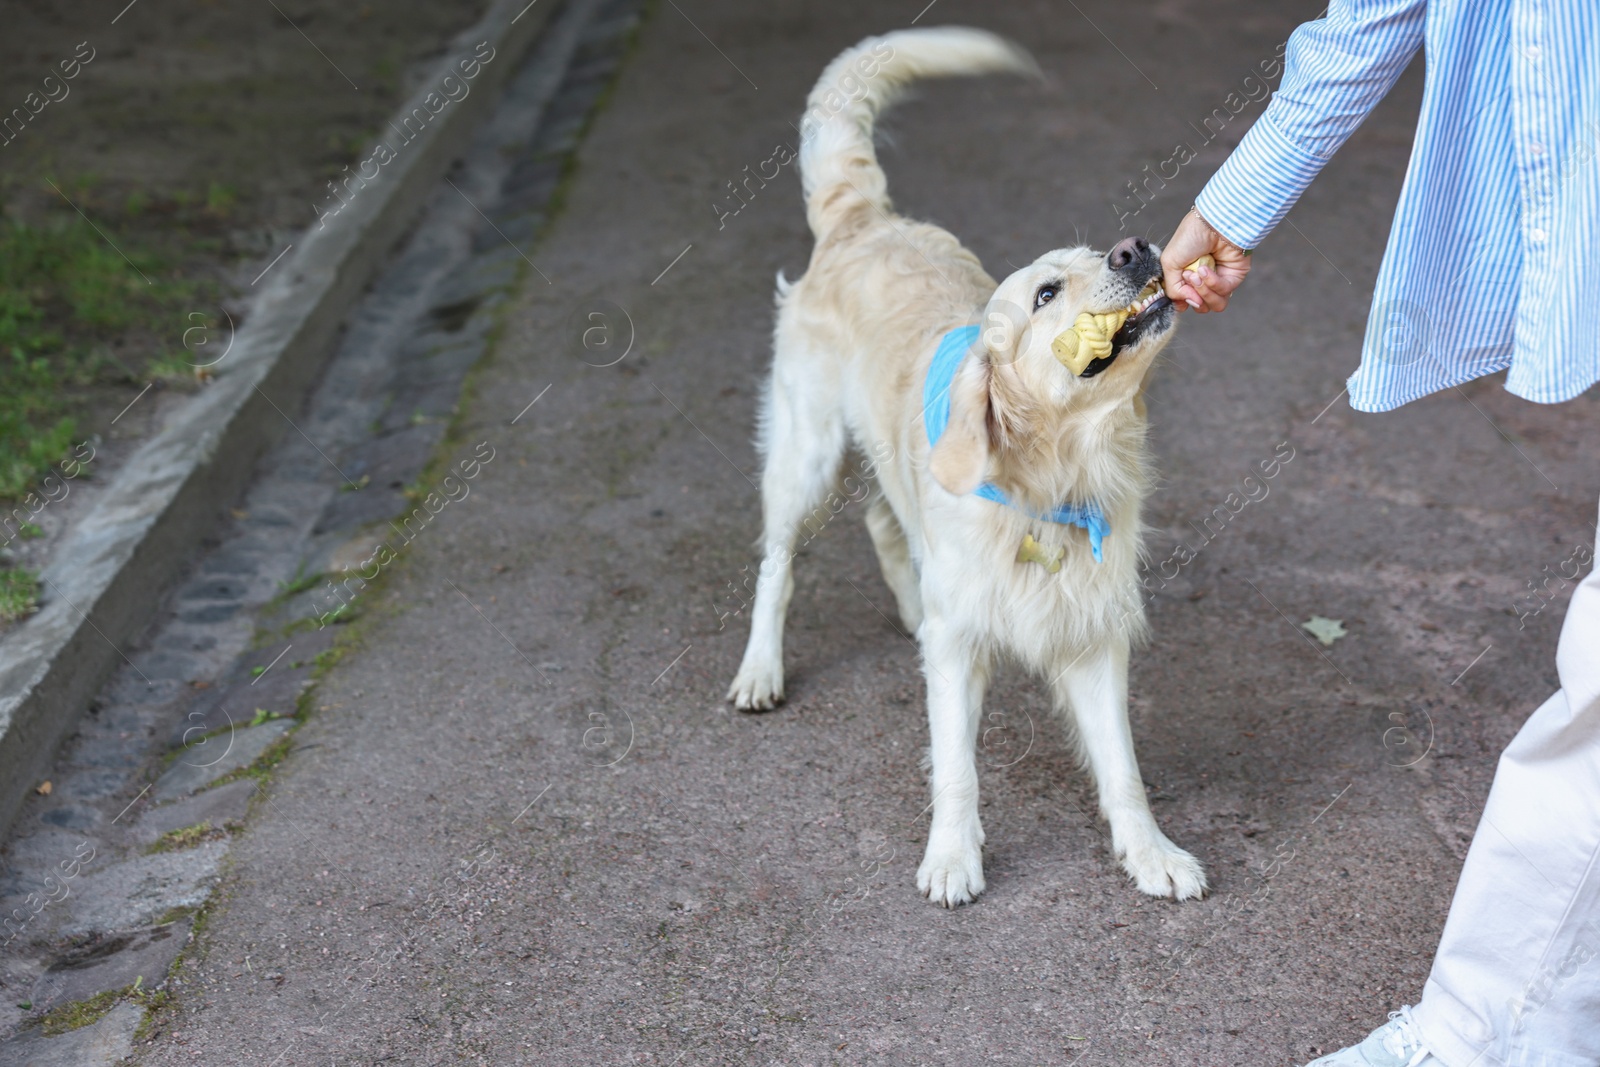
(138, 891)
(110, 961)
(206, 759)
(219, 807)
(108, 1041)
(236, 701)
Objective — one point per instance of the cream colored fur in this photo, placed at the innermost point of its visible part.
(853, 342)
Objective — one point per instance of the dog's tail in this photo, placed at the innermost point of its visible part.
(839, 171)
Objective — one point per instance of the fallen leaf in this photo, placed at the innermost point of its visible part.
(1325, 630)
(44, 789)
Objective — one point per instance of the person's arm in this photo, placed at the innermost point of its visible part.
(1336, 69)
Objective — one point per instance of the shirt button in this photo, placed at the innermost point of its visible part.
(1536, 148)
(1536, 235)
(1532, 51)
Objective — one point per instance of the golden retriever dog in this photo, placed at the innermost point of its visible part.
(1008, 466)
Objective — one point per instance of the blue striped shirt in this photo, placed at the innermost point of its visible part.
(1492, 256)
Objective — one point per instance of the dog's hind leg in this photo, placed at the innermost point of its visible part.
(1095, 689)
(894, 556)
(957, 673)
(804, 438)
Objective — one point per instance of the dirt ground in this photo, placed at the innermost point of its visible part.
(266, 100)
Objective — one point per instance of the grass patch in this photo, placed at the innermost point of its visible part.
(19, 594)
(184, 838)
(262, 768)
(77, 1015)
(153, 1002)
(161, 1004)
(341, 615)
(169, 758)
(80, 1013)
(299, 583)
(65, 293)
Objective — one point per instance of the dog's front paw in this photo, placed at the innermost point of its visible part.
(951, 874)
(758, 687)
(1162, 869)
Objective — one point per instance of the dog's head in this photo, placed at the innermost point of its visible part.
(1067, 338)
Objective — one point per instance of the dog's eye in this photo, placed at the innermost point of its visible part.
(1045, 294)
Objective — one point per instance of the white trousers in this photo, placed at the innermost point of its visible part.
(1516, 981)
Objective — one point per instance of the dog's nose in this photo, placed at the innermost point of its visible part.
(1126, 251)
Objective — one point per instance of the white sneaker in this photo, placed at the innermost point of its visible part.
(1394, 1044)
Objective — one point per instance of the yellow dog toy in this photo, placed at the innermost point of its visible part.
(1090, 336)
(1033, 552)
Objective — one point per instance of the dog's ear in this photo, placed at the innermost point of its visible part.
(961, 458)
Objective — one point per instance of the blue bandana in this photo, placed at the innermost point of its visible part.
(936, 416)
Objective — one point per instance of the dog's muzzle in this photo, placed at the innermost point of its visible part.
(1090, 338)
(1094, 339)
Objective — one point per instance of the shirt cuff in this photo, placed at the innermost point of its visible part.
(1257, 184)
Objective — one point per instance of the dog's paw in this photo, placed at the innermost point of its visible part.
(951, 875)
(758, 687)
(1162, 869)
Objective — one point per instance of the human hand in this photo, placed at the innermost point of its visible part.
(1206, 288)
